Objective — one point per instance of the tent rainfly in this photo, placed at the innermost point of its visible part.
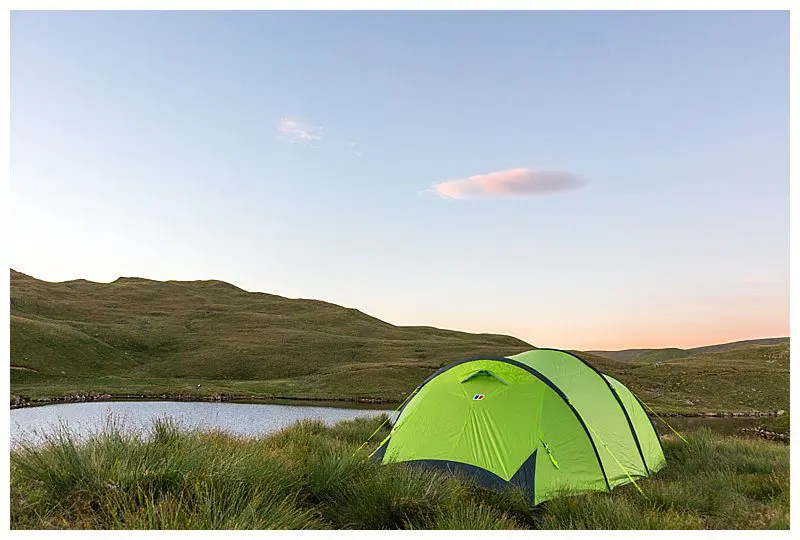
(543, 420)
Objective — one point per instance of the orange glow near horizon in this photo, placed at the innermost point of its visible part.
(684, 340)
(655, 330)
(681, 338)
(682, 323)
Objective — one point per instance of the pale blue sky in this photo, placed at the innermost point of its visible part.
(293, 153)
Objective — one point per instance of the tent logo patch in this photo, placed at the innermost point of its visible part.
(477, 397)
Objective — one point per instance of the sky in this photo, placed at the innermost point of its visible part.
(589, 180)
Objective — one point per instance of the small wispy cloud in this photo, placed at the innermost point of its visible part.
(296, 130)
(510, 183)
(354, 148)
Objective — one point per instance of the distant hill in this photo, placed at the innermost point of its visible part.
(203, 338)
(743, 375)
(656, 355)
(742, 378)
(625, 355)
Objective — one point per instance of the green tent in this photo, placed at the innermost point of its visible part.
(543, 420)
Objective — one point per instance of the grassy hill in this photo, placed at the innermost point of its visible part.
(142, 336)
(657, 355)
(200, 338)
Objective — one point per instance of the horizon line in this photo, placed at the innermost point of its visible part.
(585, 349)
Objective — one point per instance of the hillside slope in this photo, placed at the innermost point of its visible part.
(203, 338)
(148, 331)
(671, 353)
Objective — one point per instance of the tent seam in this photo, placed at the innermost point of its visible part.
(616, 396)
(539, 376)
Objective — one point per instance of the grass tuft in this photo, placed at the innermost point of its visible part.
(311, 476)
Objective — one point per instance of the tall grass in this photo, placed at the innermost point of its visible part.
(309, 476)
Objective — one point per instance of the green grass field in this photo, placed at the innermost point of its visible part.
(310, 476)
(204, 338)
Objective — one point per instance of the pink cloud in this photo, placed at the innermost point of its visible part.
(510, 183)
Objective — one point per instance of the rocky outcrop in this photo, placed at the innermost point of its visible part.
(19, 401)
(23, 401)
(747, 414)
(766, 434)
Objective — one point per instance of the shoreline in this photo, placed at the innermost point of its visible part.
(19, 402)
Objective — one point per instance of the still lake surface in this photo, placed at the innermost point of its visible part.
(31, 423)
